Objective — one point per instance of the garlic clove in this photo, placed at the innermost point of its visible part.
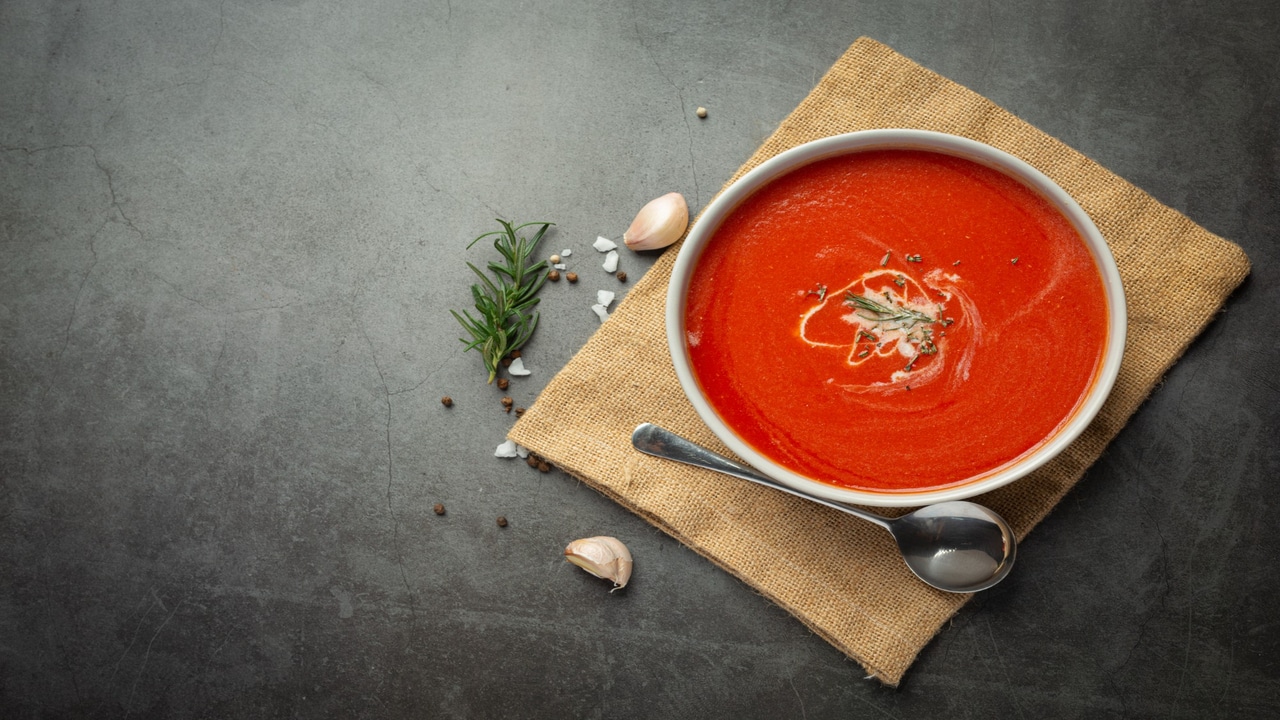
(659, 223)
(602, 556)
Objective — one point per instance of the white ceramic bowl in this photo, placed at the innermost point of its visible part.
(727, 201)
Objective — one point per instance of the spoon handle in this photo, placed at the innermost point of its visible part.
(660, 442)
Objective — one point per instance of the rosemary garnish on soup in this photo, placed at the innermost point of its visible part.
(894, 316)
(904, 317)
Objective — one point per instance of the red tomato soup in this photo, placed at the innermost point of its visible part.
(895, 320)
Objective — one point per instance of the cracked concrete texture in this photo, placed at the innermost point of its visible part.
(232, 233)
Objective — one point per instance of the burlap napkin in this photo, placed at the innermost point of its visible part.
(840, 576)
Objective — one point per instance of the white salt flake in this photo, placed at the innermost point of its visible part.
(604, 244)
(560, 266)
(517, 368)
(600, 311)
(566, 252)
(611, 261)
(522, 451)
(506, 450)
(605, 297)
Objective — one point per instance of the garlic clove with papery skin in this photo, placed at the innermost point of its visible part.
(659, 223)
(602, 556)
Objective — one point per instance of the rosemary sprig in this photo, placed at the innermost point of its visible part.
(507, 318)
(906, 318)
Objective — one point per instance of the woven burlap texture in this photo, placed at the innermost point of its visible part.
(840, 576)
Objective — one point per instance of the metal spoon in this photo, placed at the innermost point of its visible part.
(956, 546)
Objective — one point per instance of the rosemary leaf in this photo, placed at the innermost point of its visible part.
(869, 309)
(505, 307)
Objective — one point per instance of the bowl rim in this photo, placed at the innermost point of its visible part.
(728, 200)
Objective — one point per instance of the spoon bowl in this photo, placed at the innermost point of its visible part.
(955, 546)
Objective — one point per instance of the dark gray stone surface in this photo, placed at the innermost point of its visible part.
(231, 232)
